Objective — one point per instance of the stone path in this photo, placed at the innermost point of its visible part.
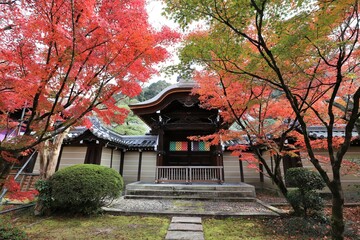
(189, 228)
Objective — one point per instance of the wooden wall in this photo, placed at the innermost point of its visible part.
(250, 175)
(131, 166)
(70, 155)
(231, 168)
(130, 170)
(111, 158)
(351, 181)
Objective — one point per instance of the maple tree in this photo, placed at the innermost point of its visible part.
(276, 68)
(61, 60)
(14, 192)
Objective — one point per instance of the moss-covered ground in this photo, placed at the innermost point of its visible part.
(96, 227)
(155, 227)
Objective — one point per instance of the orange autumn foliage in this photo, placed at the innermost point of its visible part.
(14, 192)
(63, 60)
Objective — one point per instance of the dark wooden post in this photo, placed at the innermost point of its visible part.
(160, 149)
(242, 179)
(261, 168)
(139, 168)
(122, 157)
(111, 157)
(59, 158)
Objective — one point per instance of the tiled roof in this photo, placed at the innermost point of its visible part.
(104, 133)
(321, 132)
(144, 141)
(150, 141)
(313, 132)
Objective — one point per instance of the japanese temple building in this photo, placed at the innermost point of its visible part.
(173, 116)
(166, 154)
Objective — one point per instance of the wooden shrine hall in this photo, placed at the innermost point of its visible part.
(174, 115)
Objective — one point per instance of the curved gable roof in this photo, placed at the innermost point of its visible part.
(160, 100)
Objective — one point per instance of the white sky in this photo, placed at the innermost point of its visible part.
(154, 8)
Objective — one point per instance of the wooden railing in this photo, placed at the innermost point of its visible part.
(189, 174)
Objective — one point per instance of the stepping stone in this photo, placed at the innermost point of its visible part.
(186, 220)
(185, 227)
(177, 235)
(189, 228)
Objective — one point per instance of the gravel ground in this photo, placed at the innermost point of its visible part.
(198, 207)
(171, 206)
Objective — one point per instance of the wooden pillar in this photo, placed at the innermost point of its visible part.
(111, 157)
(241, 168)
(261, 167)
(59, 158)
(139, 167)
(122, 158)
(160, 149)
(220, 161)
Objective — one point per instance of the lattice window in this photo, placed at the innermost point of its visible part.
(200, 146)
(178, 146)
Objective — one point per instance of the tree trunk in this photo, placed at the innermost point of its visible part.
(5, 168)
(337, 217)
(48, 154)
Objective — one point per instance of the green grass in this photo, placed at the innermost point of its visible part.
(235, 228)
(98, 227)
(152, 228)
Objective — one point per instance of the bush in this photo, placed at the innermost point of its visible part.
(84, 188)
(9, 232)
(44, 197)
(304, 179)
(304, 199)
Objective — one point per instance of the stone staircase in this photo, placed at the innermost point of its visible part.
(206, 191)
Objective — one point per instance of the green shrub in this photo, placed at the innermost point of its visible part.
(9, 232)
(304, 198)
(308, 203)
(304, 179)
(84, 188)
(44, 197)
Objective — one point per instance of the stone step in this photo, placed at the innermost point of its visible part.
(238, 199)
(184, 235)
(185, 228)
(197, 187)
(186, 220)
(193, 191)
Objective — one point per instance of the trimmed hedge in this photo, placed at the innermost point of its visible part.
(304, 179)
(304, 198)
(84, 188)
